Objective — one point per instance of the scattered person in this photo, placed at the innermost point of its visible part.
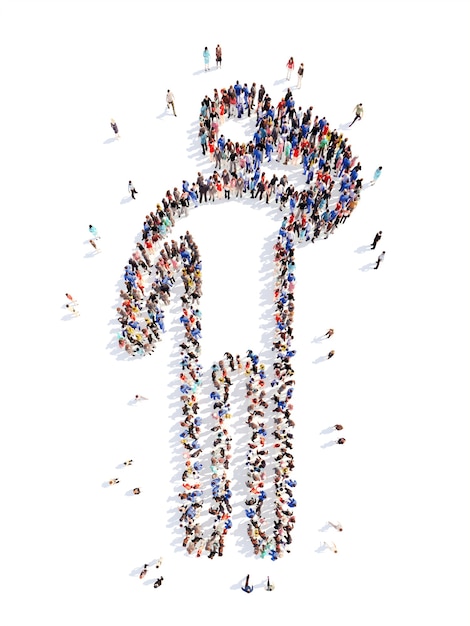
(380, 258)
(330, 332)
(377, 174)
(132, 189)
(247, 587)
(341, 440)
(72, 310)
(338, 427)
(113, 481)
(207, 55)
(359, 112)
(300, 75)
(137, 397)
(269, 586)
(129, 462)
(69, 297)
(331, 546)
(159, 562)
(331, 354)
(158, 582)
(93, 243)
(218, 57)
(114, 126)
(144, 571)
(377, 238)
(290, 67)
(170, 101)
(93, 230)
(337, 526)
(136, 491)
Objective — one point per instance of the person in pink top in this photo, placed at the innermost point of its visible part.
(290, 67)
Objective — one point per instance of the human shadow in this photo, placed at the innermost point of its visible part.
(367, 267)
(328, 430)
(328, 444)
(126, 199)
(320, 360)
(362, 249)
(324, 528)
(110, 140)
(319, 339)
(321, 548)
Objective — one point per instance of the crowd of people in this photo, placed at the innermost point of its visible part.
(330, 194)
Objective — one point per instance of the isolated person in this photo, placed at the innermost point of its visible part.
(247, 588)
(290, 67)
(93, 230)
(331, 546)
(380, 258)
(170, 101)
(331, 354)
(218, 56)
(300, 75)
(330, 332)
(136, 491)
(137, 397)
(377, 174)
(132, 189)
(114, 126)
(359, 112)
(377, 238)
(337, 526)
(207, 56)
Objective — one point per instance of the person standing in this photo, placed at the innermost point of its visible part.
(114, 126)
(269, 585)
(158, 582)
(380, 258)
(144, 571)
(218, 57)
(341, 441)
(359, 112)
(300, 75)
(290, 67)
(207, 55)
(331, 354)
(247, 588)
(330, 332)
(94, 231)
(377, 174)
(132, 189)
(377, 238)
(170, 101)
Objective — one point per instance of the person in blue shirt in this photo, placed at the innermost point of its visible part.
(207, 55)
(377, 174)
(247, 588)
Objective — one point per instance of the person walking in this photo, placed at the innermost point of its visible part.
(331, 546)
(218, 57)
(377, 238)
(170, 101)
(337, 526)
(69, 297)
(247, 587)
(93, 230)
(159, 562)
(300, 75)
(129, 462)
(72, 310)
(114, 126)
(144, 571)
(132, 189)
(377, 174)
(331, 354)
(380, 258)
(341, 441)
(207, 55)
(338, 427)
(137, 397)
(290, 67)
(158, 582)
(359, 112)
(330, 332)
(113, 481)
(269, 586)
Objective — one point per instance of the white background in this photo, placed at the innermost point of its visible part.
(399, 379)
